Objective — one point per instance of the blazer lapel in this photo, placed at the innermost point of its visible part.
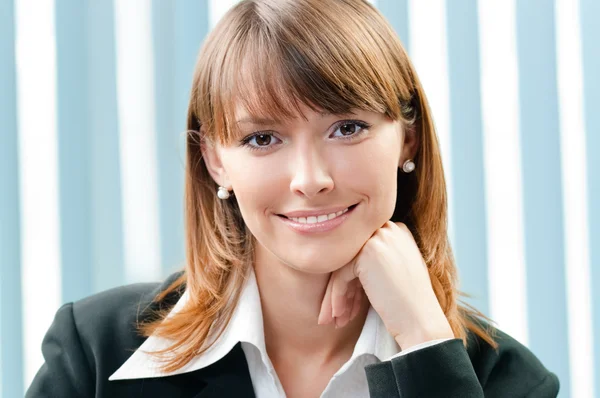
(228, 377)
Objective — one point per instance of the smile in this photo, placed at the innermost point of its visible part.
(320, 223)
(320, 218)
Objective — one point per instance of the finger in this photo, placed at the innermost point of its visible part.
(403, 227)
(344, 316)
(352, 290)
(343, 319)
(357, 299)
(325, 315)
(341, 282)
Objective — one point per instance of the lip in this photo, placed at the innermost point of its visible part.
(319, 212)
(323, 226)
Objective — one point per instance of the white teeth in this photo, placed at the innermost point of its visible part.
(316, 219)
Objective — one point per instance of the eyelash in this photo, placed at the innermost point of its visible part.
(363, 126)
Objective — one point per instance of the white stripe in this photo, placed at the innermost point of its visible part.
(218, 8)
(500, 111)
(40, 244)
(138, 155)
(429, 53)
(579, 312)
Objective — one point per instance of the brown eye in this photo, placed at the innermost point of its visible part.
(348, 128)
(351, 129)
(263, 139)
(260, 141)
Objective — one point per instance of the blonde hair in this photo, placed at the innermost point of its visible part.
(272, 56)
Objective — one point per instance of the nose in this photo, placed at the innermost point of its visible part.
(311, 176)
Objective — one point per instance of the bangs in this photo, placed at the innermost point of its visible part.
(282, 55)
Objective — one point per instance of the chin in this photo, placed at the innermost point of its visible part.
(317, 264)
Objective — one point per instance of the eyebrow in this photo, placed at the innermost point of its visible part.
(258, 121)
(269, 122)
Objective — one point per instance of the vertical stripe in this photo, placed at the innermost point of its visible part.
(178, 31)
(169, 173)
(500, 115)
(542, 186)
(396, 12)
(135, 93)
(590, 32)
(11, 342)
(106, 212)
(191, 27)
(73, 149)
(430, 57)
(572, 145)
(218, 8)
(470, 244)
(38, 163)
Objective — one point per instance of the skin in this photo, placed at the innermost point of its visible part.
(312, 283)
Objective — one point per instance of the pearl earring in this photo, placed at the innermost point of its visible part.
(223, 193)
(408, 166)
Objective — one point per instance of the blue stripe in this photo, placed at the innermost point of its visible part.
(466, 140)
(11, 342)
(73, 149)
(396, 12)
(178, 31)
(542, 187)
(106, 209)
(590, 32)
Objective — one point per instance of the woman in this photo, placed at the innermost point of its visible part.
(318, 261)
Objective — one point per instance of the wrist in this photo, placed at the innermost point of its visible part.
(421, 335)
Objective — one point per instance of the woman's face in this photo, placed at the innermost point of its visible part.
(323, 164)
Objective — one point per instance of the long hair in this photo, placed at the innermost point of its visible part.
(271, 56)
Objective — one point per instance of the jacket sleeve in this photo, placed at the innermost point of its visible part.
(417, 347)
(445, 370)
(66, 370)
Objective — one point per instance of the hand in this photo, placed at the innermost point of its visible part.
(394, 276)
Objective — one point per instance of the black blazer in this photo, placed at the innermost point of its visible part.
(91, 338)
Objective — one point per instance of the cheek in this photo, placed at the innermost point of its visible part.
(257, 185)
(370, 171)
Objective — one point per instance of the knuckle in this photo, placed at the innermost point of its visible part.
(402, 226)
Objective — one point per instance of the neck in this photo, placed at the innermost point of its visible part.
(291, 302)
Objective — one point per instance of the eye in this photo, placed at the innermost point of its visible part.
(262, 141)
(351, 129)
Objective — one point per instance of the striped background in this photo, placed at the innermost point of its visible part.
(93, 96)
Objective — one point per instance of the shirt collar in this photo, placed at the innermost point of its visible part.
(246, 325)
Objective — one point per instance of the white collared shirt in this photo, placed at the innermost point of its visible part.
(374, 345)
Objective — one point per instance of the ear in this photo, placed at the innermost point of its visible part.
(212, 160)
(410, 145)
